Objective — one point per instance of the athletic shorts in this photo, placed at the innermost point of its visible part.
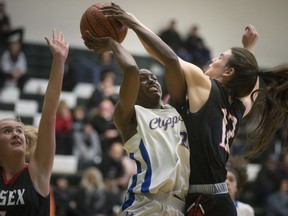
(153, 205)
(210, 205)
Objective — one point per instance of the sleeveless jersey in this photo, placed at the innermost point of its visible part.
(19, 197)
(161, 153)
(211, 131)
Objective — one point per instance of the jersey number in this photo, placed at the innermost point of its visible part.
(183, 135)
(228, 129)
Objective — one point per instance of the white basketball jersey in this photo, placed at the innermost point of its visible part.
(160, 151)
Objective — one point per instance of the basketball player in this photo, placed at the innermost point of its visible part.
(212, 105)
(154, 137)
(24, 187)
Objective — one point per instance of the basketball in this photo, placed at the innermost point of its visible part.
(98, 25)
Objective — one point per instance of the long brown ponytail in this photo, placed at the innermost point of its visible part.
(270, 109)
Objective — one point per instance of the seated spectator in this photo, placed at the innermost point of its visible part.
(102, 122)
(64, 135)
(113, 167)
(267, 179)
(277, 202)
(6, 30)
(108, 62)
(71, 74)
(88, 70)
(105, 89)
(62, 196)
(90, 198)
(173, 38)
(236, 179)
(13, 66)
(196, 46)
(87, 145)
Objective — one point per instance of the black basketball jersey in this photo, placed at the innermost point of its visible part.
(211, 131)
(19, 197)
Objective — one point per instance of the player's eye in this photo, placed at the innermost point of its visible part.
(7, 130)
(19, 130)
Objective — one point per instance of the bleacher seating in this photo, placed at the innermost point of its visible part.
(8, 106)
(83, 90)
(26, 108)
(9, 94)
(35, 86)
(70, 98)
(6, 114)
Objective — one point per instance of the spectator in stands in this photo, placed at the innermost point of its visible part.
(6, 30)
(71, 74)
(13, 66)
(64, 135)
(236, 179)
(196, 46)
(113, 167)
(90, 198)
(102, 122)
(267, 179)
(173, 38)
(117, 168)
(106, 88)
(87, 145)
(62, 196)
(89, 69)
(277, 202)
(108, 62)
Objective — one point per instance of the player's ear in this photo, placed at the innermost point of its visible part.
(229, 72)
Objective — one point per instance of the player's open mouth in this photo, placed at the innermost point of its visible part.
(153, 88)
(16, 143)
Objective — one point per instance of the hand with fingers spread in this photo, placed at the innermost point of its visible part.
(58, 46)
(250, 37)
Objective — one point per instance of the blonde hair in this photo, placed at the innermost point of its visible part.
(86, 179)
(31, 135)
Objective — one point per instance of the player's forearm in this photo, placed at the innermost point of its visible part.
(53, 90)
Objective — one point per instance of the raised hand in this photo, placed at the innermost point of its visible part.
(58, 46)
(249, 37)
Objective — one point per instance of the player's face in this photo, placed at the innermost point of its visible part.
(149, 85)
(12, 137)
(217, 67)
(231, 183)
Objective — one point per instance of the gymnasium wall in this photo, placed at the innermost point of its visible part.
(221, 22)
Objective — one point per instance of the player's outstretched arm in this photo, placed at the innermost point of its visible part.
(41, 164)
